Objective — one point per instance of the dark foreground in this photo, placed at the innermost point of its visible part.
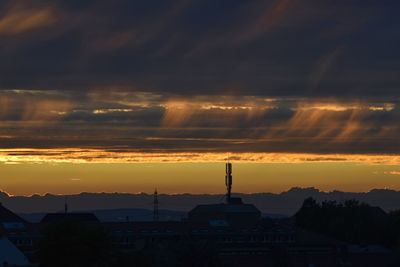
(320, 234)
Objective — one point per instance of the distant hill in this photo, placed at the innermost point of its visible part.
(123, 215)
(285, 203)
(119, 215)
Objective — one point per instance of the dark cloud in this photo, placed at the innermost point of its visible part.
(137, 121)
(187, 75)
(257, 47)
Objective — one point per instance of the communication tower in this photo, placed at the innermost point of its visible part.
(228, 181)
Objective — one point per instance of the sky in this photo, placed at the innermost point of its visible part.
(131, 95)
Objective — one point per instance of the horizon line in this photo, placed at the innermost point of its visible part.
(9, 195)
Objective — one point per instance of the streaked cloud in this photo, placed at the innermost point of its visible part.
(23, 16)
(179, 111)
(383, 107)
(109, 110)
(119, 118)
(271, 14)
(81, 156)
(393, 172)
(323, 65)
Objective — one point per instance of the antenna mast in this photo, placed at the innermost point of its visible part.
(155, 211)
(228, 181)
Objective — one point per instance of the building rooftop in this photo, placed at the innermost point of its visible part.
(7, 216)
(226, 208)
(231, 213)
(56, 217)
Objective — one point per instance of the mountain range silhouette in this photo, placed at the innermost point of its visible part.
(285, 203)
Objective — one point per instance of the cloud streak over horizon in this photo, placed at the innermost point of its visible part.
(81, 156)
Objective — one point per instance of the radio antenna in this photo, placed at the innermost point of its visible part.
(228, 181)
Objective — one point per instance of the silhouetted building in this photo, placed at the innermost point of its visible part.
(8, 219)
(10, 255)
(238, 244)
(82, 217)
(233, 212)
(19, 232)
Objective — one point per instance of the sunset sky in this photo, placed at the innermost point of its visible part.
(126, 96)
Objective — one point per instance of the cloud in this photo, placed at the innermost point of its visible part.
(256, 48)
(133, 33)
(45, 110)
(177, 112)
(331, 123)
(383, 107)
(120, 119)
(110, 110)
(225, 107)
(265, 21)
(323, 66)
(22, 17)
(81, 156)
(32, 106)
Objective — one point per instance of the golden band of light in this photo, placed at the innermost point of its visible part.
(79, 155)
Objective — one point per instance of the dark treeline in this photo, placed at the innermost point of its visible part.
(350, 221)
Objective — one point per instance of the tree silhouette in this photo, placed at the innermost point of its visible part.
(350, 221)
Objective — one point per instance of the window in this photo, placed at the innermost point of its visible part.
(13, 225)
